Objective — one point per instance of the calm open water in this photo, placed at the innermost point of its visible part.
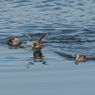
(71, 24)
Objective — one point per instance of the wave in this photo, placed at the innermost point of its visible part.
(66, 45)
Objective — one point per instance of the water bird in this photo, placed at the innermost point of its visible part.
(38, 44)
(13, 41)
(80, 58)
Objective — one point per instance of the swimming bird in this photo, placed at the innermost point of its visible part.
(13, 41)
(38, 44)
(80, 58)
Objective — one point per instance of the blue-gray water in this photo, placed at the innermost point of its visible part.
(71, 24)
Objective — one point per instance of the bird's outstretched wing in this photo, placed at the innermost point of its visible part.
(31, 37)
(42, 38)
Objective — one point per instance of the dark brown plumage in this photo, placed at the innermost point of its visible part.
(14, 41)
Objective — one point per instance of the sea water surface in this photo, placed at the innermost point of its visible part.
(71, 28)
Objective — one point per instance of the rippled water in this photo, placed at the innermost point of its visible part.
(71, 24)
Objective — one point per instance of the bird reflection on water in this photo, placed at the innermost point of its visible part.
(37, 57)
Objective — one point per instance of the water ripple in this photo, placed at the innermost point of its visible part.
(71, 23)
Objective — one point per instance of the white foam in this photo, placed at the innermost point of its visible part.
(28, 45)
